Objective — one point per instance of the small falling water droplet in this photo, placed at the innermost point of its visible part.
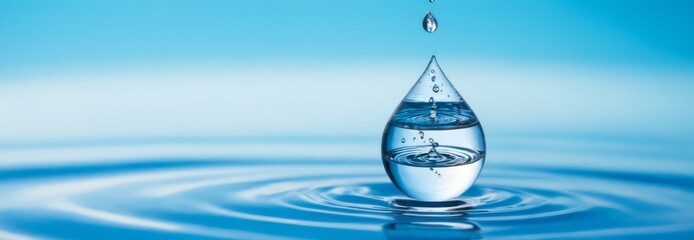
(429, 23)
(431, 169)
(431, 100)
(431, 140)
(435, 88)
(421, 134)
(403, 140)
(433, 78)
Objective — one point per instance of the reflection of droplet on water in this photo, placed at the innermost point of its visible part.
(429, 23)
(454, 145)
(403, 140)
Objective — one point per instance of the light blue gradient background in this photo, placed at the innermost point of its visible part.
(127, 70)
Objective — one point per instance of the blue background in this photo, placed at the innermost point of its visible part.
(128, 70)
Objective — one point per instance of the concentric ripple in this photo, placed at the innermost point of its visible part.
(446, 156)
(297, 199)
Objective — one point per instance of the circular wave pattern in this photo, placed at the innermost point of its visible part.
(445, 156)
(278, 200)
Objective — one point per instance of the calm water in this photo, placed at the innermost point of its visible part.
(531, 188)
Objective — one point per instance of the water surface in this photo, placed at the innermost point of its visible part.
(530, 188)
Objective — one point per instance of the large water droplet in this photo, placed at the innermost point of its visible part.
(429, 23)
(458, 150)
(435, 88)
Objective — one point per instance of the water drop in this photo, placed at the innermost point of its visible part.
(457, 130)
(431, 140)
(429, 23)
(435, 88)
(433, 78)
(431, 1)
(403, 140)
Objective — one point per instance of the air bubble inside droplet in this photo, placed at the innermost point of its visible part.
(454, 144)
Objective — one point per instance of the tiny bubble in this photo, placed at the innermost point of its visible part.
(403, 140)
(432, 71)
